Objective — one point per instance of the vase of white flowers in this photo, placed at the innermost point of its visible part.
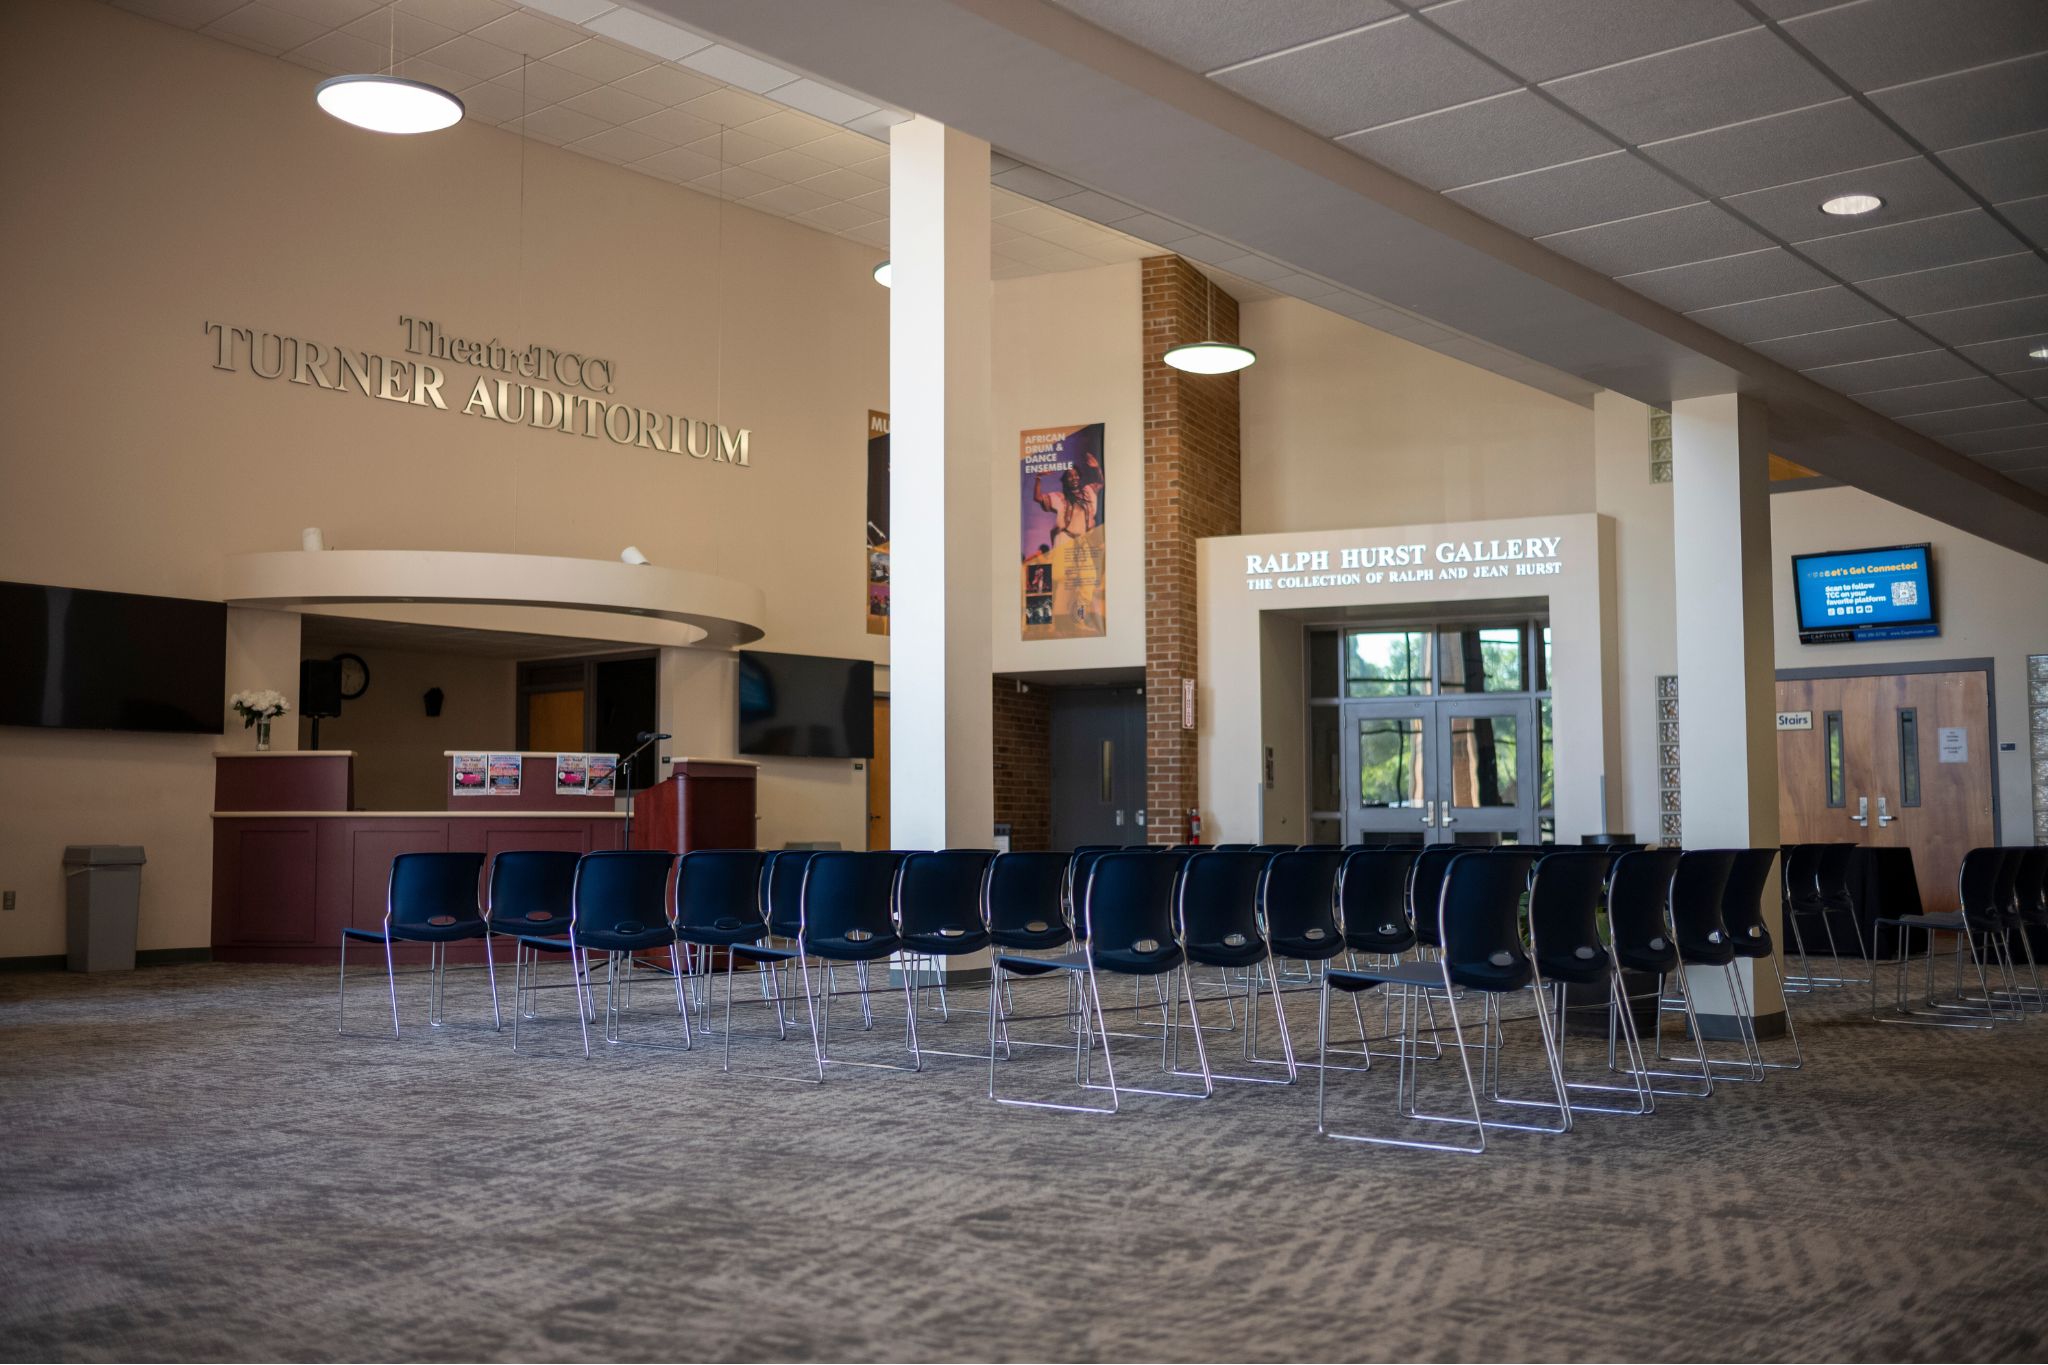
(259, 708)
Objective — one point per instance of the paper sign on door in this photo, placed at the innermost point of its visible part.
(1954, 744)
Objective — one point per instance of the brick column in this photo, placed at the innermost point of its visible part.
(1023, 764)
(1192, 490)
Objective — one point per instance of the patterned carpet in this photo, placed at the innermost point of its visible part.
(194, 1166)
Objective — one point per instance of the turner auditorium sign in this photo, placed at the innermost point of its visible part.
(563, 391)
(1450, 560)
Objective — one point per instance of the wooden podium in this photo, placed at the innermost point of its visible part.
(702, 803)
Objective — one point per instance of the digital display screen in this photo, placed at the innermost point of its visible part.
(81, 660)
(802, 706)
(1884, 593)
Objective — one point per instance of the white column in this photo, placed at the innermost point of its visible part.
(1727, 687)
(941, 791)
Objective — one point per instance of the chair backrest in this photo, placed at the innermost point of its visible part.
(850, 896)
(1742, 898)
(1697, 889)
(1802, 873)
(1564, 910)
(1217, 901)
(622, 891)
(531, 888)
(2030, 891)
(434, 890)
(2005, 891)
(1977, 887)
(1024, 900)
(719, 889)
(1831, 872)
(1298, 899)
(940, 893)
(1078, 870)
(1275, 848)
(1427, 886)
(1480, 921)
(782, 889)
(1127, 910)
(1638, 898)
(1232, 848)
(1372, 898)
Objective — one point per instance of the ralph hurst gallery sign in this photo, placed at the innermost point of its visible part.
(1446, 561)
(555, 390)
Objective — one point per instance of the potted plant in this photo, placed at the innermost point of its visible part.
(259, 708)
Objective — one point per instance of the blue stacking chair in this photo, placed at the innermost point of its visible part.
(718, 907)
(1742, 913)
(1127, 914)
(1639, 934)
(431, 898)
(847, 916)
(1372, 913)
(1217, 913)
(528, 892)
(619, 906)
(1698, 891)
(1298, 910)
(1024, 905)
(1979, 926)
(939, 914)
(1564, 937)
(1479, 930)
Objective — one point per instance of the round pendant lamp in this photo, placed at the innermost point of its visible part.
(387, 102)
(882, 274)
(1210, 356)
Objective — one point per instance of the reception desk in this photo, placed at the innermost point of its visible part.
(292, 863)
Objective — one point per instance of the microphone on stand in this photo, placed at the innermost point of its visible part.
(645, 738)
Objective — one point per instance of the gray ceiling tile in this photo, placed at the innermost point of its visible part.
(1871, 341)
(1206, 34)
(1912, 188)
(1922, 367)
(1889, 42)
(1034, 183)
(1919, 245)
(1961, 286)
(2029, 216)
(2008, 358)
(1597, 190)
(2004, 168)
(2028, 437)
(1099, 208)
(1540, 40)
(1697, 232)
(1389, 71)
(1150, 227)
(1483, 140)
(1988, 417)
(1805, 143)
(1816, 310)
(1972, 106)
(1785, 9)
(1730, 279)
(2027, 467)
(1956, 393)
(2033, 383)
(1991, 322)
(1725, 80)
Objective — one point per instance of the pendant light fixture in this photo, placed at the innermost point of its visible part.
(1209, 356)
(387, 102)
(882, 274)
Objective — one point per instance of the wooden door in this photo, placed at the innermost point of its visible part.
(878, 779)
(1891, 761)
(554, 722)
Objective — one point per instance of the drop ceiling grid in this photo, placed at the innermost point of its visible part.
(1683, 147)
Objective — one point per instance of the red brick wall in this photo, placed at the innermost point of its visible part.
(1192, 489)
(1023, 764)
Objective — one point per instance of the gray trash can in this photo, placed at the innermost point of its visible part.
(102, 885)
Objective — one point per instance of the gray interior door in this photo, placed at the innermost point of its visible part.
(1098, 766)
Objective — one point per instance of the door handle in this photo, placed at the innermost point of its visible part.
(1447, 819)
(1884, 815)
(1862, 815)
(1119, 819)
(1429, 814)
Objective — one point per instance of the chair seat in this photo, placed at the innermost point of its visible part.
(946, 945)
(1020, 964)
(537, 922)
(760, 952)
(1308, 949)
(1573, 969)
(1355, 979)
(1399, 940)
(853, 950)
(1243, 954)
(1033, 940)
(1139, 961)
(422, 933)
(1949, 920)
(723, 934)
(604, 943)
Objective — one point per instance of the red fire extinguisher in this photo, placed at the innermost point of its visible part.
(1195, 827)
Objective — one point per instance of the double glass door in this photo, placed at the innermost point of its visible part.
(1440, 770)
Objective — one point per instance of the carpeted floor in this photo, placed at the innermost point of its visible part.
(193, 1165)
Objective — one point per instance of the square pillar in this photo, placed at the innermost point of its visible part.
(1727, 659)
(941, 457)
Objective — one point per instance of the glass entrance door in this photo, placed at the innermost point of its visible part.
(1385, 751)
(1440, 770)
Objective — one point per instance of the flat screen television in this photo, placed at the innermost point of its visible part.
(75, 659)
(1882, 593)
(804, 706)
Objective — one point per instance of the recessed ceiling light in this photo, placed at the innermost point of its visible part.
(1851, 205)
(2038, 353)
(882, 274)
(389, 104)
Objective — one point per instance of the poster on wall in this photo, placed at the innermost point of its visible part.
(878, 523)
(472, 774)
(572, 773)
(505, 770)
(1061, 532)
(601, 774)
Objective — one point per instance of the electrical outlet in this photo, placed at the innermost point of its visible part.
(6, 900)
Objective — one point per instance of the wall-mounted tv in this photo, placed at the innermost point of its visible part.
(804, 706)
(1882, 593)
(75, 659)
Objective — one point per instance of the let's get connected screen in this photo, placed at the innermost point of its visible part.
(1877, 594)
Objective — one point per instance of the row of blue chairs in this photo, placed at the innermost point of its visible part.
(2002, 904)
(1099, 913)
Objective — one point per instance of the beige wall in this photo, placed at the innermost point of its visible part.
(164, 180)
(398, 746)
(1345, 426)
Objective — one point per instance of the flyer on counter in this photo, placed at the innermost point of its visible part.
(505, 770)
(472, 774)
(601, 774)
(572, 773)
